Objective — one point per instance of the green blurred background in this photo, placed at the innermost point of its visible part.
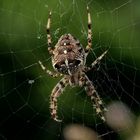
(25, 88)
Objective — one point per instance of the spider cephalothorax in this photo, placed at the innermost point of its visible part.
(68, 55)
(68, 59)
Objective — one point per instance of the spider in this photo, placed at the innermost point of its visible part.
(68, 59)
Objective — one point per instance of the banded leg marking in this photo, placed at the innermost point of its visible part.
(53, 74)
(97, 102)
(50, 49)
(89, 32)
(57, 91)
(97, 61)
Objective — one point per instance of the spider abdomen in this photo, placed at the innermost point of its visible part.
(69, 55)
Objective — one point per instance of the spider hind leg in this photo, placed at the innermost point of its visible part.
(56, 92)
(97, 102)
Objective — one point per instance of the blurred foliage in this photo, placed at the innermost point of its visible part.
(24, 107)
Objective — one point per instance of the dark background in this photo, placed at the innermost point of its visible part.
(25, 88)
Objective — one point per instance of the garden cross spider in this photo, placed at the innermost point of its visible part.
(68, 59)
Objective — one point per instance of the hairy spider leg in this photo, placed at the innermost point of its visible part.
(97, 61)
(50, 49)
(97, 102)
(56, 92)
(53, 74)
(88, 47)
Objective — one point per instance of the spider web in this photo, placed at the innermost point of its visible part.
(25, 88)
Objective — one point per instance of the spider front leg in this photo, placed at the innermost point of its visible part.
(53, 74)
(89, 33)
(56, 92)
(50, 49)
(97, 102)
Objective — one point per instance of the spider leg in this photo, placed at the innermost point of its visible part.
(88, 47)
(97, 102)
(56, 92)
(53, 74)
(50, 49)
(97, 61)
